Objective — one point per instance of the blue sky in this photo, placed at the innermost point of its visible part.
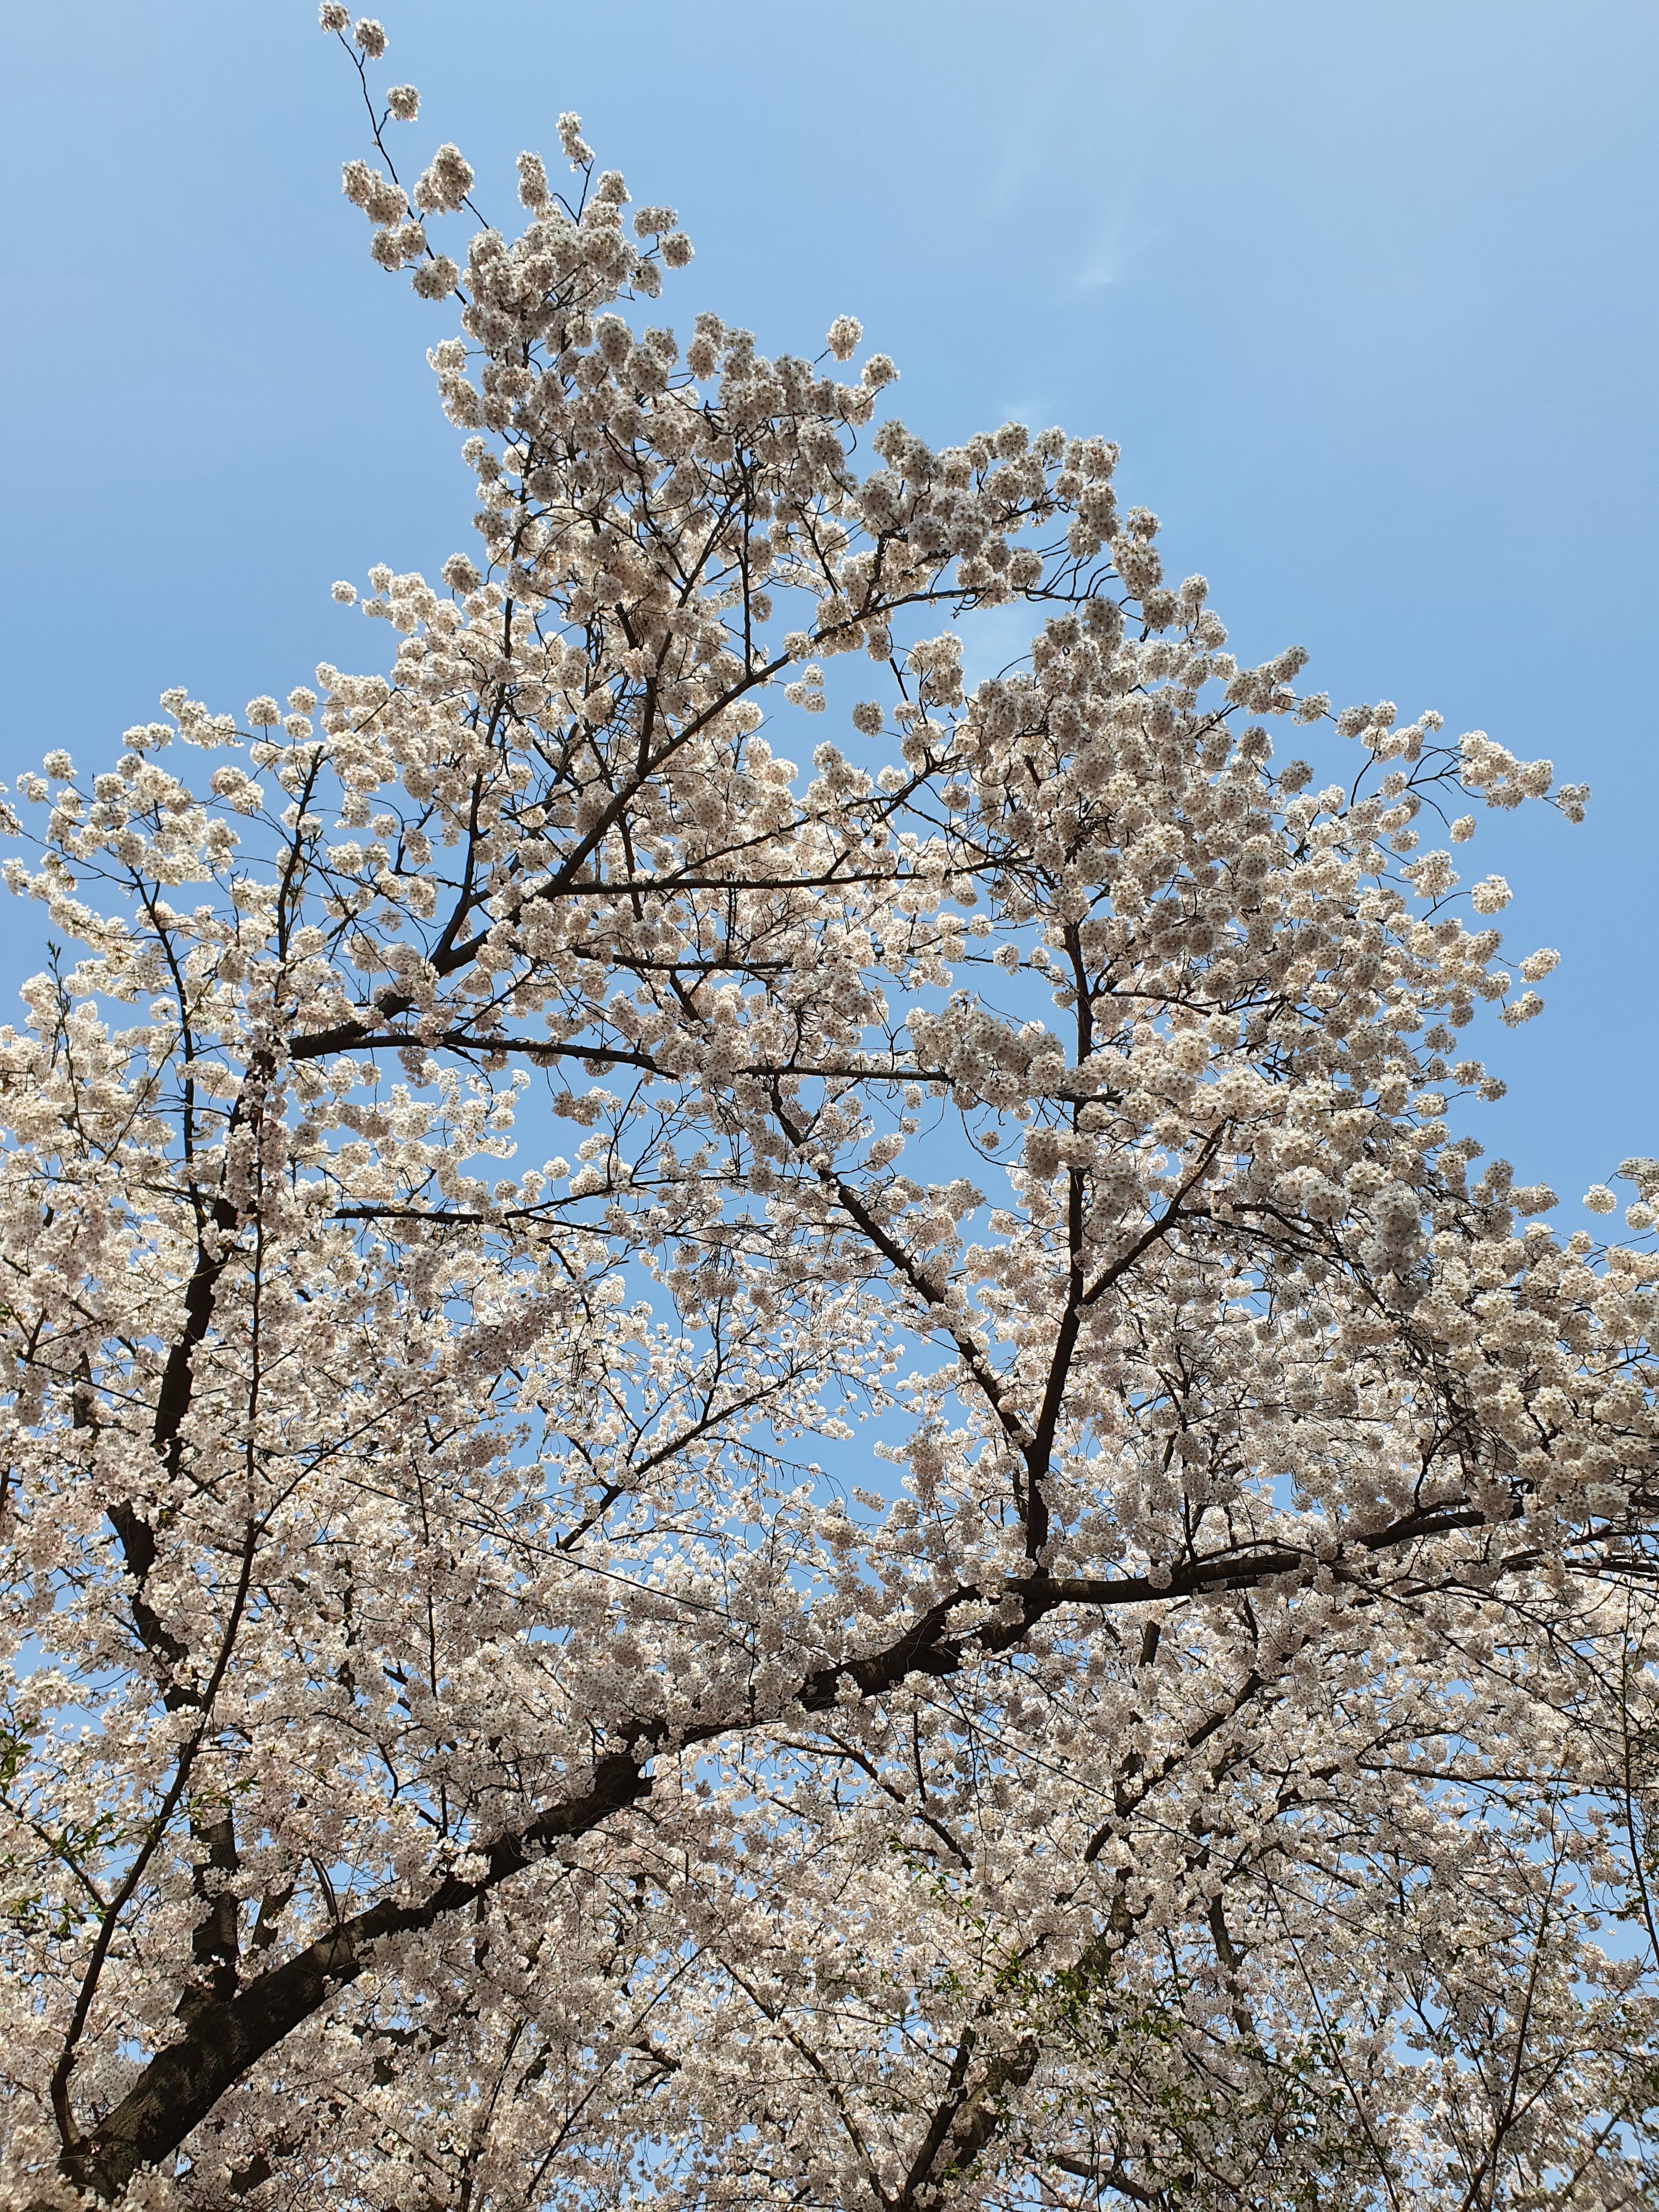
(1365, 292)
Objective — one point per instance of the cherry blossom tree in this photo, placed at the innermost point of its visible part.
(1022, 1588)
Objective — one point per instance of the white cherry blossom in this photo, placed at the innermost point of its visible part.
(768, 1439)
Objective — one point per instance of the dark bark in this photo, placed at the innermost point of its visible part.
(184, 2082)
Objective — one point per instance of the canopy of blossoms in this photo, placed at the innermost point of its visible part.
(1023, 1582)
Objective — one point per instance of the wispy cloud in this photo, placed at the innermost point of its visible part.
(1119, 243)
